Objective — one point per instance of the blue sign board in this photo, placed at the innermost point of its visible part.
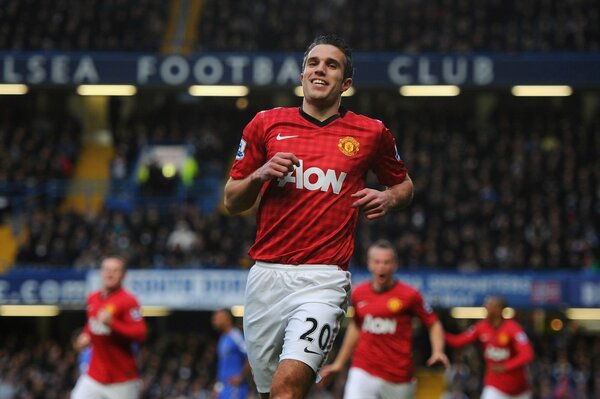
(209, 289)
(283, 69)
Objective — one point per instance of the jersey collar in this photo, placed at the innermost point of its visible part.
(341, 113)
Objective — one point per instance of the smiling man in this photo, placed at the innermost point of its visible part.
(308, 165)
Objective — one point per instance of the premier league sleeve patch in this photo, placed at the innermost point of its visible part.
(136, 314)
(241, 150)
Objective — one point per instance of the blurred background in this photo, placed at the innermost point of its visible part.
(119, 121)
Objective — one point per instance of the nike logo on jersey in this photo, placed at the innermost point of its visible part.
(309, 351)
(280, 137)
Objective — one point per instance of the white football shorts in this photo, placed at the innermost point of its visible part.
(494, 393)
(292, 312)
(362, 385)
(88, 388)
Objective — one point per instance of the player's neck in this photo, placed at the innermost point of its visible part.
(319, 111)
(383, 287)
(496, 322)
(106, 291)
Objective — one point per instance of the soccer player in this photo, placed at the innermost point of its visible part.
(114, 325)
(309, 166)
(506, 350)
(380, 334)
(233, 366)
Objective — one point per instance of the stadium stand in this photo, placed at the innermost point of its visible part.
(532, 167)
(89, 25)
(410, 26)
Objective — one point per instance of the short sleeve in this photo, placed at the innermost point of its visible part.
(251, 153)
(387, 163)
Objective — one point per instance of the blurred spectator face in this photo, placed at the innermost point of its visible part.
(323, 76)
(382, 265)
(112, 273)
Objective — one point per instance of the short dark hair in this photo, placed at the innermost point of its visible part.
(338, 42)
(382, 243)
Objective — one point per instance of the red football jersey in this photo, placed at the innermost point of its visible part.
(306, 217)
(385, 319)
(507, 345)
(112, 346)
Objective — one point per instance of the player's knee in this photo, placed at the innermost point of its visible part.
(292, 380)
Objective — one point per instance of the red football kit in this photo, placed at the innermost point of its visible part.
(507, 345)
(113, 359)
(306, 217)
(384, 347)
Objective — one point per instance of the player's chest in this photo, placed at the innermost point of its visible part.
(326, 148)
(111, 306)
(498, 339)
(389, 306)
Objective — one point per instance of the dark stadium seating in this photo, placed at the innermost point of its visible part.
(404, 25)
(86, 25)
(511, 191)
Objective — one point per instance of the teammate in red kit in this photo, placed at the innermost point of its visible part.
(115, 324)
(309, 166)
(506, 350)
(379, 338)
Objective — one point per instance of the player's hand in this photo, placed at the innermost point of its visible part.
(373, 203)
(82, 341)
(235, 380)
(104, 317)
(327, 373)
(280, 165)
(438, 358)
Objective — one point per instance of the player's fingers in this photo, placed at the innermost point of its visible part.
(359, 194)
(289, 157)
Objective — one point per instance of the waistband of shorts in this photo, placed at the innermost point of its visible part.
(285, 267)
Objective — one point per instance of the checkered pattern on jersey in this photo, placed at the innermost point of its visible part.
(307, 217)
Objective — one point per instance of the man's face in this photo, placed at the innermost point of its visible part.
(112, 273)
(494, 308)
(219, 320)
(382, 265)
(323, 76)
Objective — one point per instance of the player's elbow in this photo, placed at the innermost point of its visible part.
(233, 207)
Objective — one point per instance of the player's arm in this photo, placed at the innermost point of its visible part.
(241, 194)
(238, 379)
(83, 340)
(376, 203)
(459, 340)
(436, 338)
(523, 353)
(348, 345)
(132, 326)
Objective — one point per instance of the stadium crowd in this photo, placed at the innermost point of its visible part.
(404, 25)
(226, 25)
(87, 25)
(180, 365)
(515, 189)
